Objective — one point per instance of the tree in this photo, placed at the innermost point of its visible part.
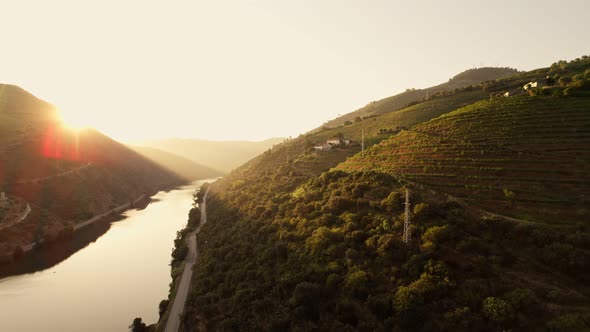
(138, 325)
(497, 309)
(162, 307)
(357, 282)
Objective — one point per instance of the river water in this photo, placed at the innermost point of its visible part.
(123, 274)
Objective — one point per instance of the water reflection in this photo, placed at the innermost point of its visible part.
(116, 276)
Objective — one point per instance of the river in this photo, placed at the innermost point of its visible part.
(123, 274)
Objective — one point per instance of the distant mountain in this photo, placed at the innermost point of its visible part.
(181, 166)
(401, 100)
(219, 155)
(66, 176)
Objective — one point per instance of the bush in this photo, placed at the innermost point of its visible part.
(406, 300)
(564, 80)
(521, 298)
(305, 294)
(497, 309)
(433, 236)
(357, 282)
(578, 77)
(393, 202)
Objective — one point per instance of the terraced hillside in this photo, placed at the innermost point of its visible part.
(379, 127)
(470, 77)
(523, 156)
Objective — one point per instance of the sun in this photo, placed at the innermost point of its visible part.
(74, 120)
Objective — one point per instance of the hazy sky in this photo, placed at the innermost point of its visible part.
(256, 69)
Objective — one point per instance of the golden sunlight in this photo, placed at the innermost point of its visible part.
(75, 120)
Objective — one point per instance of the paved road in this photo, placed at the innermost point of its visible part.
(37, 180)
(178, 305)
(21, 218)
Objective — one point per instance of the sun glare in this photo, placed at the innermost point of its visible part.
(74, 120)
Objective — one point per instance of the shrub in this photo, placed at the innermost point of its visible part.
(497, 309)
(564, 80)
(578, 77)
(393, 202)
(305, 294)
(357, 282)
(406, 300)
(433, 236)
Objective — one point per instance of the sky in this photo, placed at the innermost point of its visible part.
(250, 70)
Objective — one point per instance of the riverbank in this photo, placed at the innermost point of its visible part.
(71, 232)
(117, 271)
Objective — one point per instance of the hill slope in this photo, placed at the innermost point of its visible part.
(289, 246)
(501, 152)
(401, 100)
(181, 166)
(219, 155)
(66, 176)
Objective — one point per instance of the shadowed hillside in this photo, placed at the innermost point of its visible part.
(66, 176)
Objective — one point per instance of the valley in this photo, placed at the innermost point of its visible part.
(301, 166)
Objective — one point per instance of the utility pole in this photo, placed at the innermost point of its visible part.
(362, 141)
(407, 231)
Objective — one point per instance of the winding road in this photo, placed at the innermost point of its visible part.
(173, 322)
(37, 180)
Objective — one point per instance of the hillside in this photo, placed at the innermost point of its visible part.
(66, 176)
(291, 245)
(467, 78)
(181, 166)
(500, 152)
(220, 155)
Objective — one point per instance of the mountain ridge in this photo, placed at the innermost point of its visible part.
(220, 155)
(388, 104)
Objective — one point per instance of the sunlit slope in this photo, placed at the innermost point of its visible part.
(184, 167)
(219, 155)
(299, 157)
(401, 100)
(523, 156)
(382, 126)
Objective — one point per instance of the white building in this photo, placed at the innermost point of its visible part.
(334, 141)
(530, 85)
(323, 147)
(338, 141)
